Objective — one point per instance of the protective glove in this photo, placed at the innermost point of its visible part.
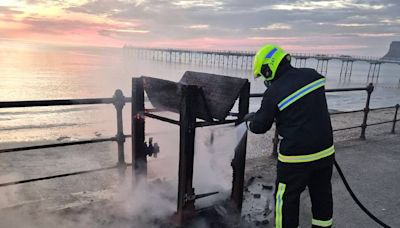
(249, 116)
(267, 84)
(246, 118)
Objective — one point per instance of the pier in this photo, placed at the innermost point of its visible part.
(243, 60)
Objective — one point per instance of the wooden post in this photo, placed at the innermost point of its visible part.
(239, 160)
(139, 159)
(186, 195)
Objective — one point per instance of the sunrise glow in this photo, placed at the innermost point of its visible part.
(297, 24)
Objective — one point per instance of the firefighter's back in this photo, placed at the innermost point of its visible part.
(303, 118)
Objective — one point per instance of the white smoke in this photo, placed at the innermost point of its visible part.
(127, 205)
(214, 152)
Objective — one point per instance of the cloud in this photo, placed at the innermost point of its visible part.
(8, 12)
(102, 7)
(378, 34)
(265, 38)
(355, 25)
(328, 4)
(176, 22)
(43, 25)
(179, 21)
(391, 21)
(75, 27)
(138, 2)
(8, 22)
(197, 26)
(276, 26)
(121, 32)
(187, 4)
(60, 3)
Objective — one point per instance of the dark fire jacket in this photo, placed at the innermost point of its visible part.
(296, 99)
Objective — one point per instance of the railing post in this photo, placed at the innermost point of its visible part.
(395, 118)
(370, 89)
(119, 103)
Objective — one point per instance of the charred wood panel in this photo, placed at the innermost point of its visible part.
(220, 91)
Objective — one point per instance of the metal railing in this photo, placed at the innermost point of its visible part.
(119, 101)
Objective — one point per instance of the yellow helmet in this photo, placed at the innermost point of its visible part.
(267, 60)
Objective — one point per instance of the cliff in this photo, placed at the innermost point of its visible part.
(394, 51)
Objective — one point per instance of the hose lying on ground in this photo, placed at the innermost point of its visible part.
(356, 199)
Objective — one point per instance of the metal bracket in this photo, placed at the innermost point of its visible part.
(150, 149)
(189, 197)
(194, 197)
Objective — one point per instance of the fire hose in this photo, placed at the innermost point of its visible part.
(354, 197)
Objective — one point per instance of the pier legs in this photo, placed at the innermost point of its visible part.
(322, 66)
(300, 62)
(374, 70)
(346, 69)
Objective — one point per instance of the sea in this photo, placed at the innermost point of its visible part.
(88, 72)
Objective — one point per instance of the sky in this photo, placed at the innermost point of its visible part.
(357, 27)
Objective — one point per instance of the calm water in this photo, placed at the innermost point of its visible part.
(92, 73)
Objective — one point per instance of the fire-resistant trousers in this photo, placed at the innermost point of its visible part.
(292, 179)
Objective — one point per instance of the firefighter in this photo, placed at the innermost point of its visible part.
(295, 99)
